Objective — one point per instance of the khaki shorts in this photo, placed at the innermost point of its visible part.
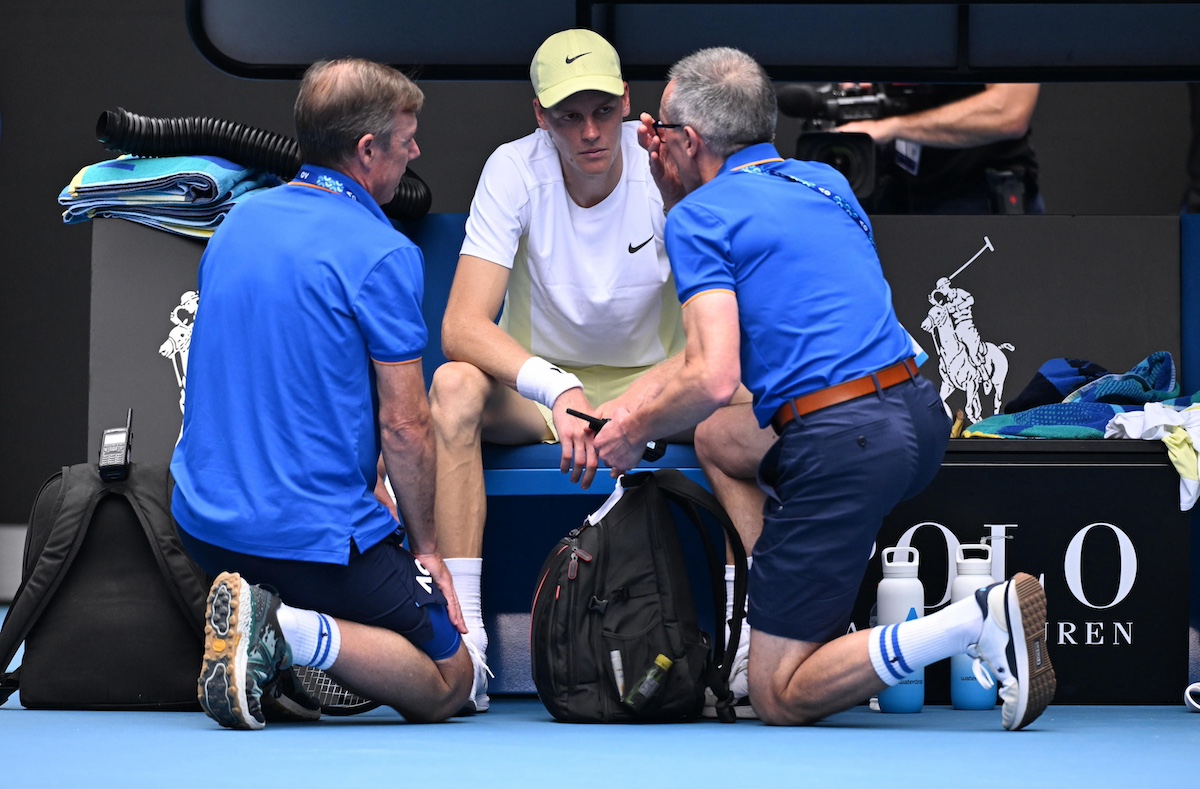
(600, 384)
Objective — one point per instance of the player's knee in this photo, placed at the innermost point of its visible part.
(711, 440)
(457, 394)
(722, 443)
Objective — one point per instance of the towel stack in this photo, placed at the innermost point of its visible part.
(186, 195)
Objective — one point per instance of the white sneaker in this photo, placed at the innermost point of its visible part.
(478, 701)
(739, 681)
(1013, 646)
(1191, 697)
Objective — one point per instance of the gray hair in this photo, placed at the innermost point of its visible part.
(340, 101)
(726, 96)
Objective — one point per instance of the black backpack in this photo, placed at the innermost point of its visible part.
(614, 594)
(110, 606)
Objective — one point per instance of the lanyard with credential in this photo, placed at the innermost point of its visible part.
(328, 181)
(756, 168)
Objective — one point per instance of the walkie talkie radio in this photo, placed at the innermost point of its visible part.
(115, 445)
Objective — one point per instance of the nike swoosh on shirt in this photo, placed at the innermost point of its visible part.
(633, 249)
(577, 57)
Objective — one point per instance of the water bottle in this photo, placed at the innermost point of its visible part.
(649, 684)
(973, 573)
(901, 597)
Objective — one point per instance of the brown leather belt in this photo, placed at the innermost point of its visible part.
(850, 390)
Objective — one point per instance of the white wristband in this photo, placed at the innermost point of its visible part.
(541, 381)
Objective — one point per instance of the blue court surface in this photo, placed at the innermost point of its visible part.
(517, 744)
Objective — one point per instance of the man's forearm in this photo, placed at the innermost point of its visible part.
(1001, 112)
(488, 347)
(409, 454)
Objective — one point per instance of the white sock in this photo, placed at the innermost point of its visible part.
(467, 574)
(730, 573)
(899, 650)
(314, 638)
(744, 642)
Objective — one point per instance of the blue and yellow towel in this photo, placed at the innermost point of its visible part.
(187, 195)
(1086, 412)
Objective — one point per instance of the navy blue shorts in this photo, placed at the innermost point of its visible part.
(383, 587)
(831, 478)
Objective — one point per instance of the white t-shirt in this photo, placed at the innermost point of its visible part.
(589, 286)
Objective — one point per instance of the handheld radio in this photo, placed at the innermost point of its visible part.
(115, 446)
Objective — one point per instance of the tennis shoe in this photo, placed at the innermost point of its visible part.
(244, 652)
(478, 701)
(1013, 645)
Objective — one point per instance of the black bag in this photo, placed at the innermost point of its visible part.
(110, 606)
(615, 593)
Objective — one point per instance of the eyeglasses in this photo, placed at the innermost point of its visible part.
(659, 126)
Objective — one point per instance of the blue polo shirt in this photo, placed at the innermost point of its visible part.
(300, 289)
(813, 305)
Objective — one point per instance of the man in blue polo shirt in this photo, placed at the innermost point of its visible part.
(305, 384)
(782, 290)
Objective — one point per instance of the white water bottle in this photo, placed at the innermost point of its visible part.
(901, 597)
(974, 572)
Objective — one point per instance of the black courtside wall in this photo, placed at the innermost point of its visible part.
(1112, 148)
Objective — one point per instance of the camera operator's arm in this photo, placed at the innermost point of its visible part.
(999, 112)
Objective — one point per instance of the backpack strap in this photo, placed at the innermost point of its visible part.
(148, 490)
(51, 545)
(691, 498)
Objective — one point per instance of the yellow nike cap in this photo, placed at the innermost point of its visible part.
(572, 61)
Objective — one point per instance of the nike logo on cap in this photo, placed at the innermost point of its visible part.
(577, 57)
(633, 249)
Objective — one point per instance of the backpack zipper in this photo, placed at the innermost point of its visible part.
(577, 554)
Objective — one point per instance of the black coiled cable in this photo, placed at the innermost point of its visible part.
(127, 132)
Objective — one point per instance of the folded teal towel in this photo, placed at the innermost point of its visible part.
(188, 195)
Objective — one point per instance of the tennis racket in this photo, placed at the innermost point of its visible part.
(334, 699)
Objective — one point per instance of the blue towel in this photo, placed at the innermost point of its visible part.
(1085, 412)
(187, 195)
(1152, 380)
(1053, 381)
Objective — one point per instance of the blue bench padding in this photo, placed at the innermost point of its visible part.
(533, 470)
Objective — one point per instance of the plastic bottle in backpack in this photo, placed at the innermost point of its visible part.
(649, 684)
(901, 597)
(974, 572)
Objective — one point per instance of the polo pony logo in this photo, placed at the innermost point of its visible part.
(179, 340)
(966, 362)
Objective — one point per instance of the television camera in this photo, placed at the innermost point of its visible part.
(823, 107)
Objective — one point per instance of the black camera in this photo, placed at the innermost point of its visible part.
(824, 107)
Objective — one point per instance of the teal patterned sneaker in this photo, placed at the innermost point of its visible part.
(244, 651)
(1013, 645)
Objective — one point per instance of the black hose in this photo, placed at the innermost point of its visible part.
(127, 132)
